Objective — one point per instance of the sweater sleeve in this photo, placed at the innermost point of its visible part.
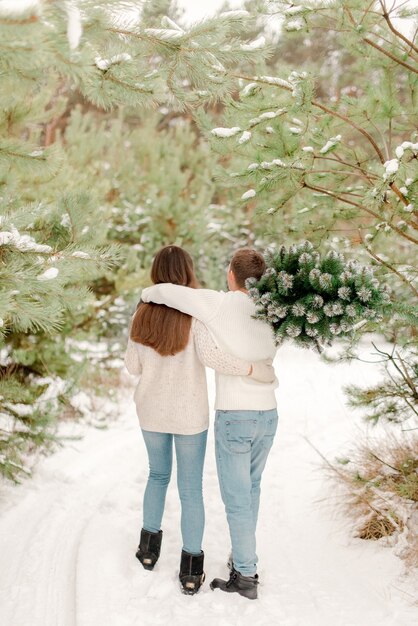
(132, 360)
(202, 304)
(212, 356)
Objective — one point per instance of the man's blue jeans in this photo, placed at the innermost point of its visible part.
(190, 453)
(243, 440)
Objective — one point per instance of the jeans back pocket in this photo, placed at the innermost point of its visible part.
(239, 434)
(270, 431)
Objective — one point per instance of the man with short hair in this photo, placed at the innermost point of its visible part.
(246, 414)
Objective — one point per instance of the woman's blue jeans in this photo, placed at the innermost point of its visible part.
(243, 440)
(190, 454)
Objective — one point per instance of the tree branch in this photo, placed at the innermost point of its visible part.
(380, 49)
(387, 265)
(324, 108)
(393, 29)
(361, 207)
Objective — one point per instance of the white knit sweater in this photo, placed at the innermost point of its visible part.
(229, 317)
(171, 395)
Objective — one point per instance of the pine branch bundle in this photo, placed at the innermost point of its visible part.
(313, 299)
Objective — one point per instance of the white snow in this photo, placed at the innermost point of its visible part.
(5, 238)
(267, 115)
(391, 166)
(69, 535)
(9, 8)
(23, 410)
(74, 26)
(56, 387)
(25, 243)
(406, 145)
(258, 43)
(294, 10)
(246, 136)
(166, 34)
(49, 274)
(308, 149)
(274, 80)
(79, 254)
(333, 141)
(294, 25)
(104, 64)
(225, 132)
(167, 22)
(234, 14)
(248, 90)
(249, 194)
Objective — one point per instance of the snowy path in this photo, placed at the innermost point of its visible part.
(68, 537)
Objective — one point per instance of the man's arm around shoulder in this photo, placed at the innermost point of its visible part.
(203, 304)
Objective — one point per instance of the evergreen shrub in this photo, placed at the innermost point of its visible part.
(313, 299)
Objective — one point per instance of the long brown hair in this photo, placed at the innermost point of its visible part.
(156, 325)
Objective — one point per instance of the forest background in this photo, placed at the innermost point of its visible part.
(125, 128)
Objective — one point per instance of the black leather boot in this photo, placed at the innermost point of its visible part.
(149, 548)
(244, 585)
(191, 572)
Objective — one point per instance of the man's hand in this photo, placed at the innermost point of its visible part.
(262, 371)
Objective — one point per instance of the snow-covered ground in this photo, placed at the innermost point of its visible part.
(68, 537)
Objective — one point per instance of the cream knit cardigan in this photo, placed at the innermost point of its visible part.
(171, 395)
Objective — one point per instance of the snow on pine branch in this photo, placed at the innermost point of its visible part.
(167, 22)
(274, 80)
(254, 45)
(294, 25)
(246, 136)
(295, 10)
(330, 144)
(406, 145)
(104, 64)
(249, 90)
(392, 165)
(251, 193)
(74, 25)
(267, 115)
(25, 243)
(228, 15)
(165, 34)
(49, 274)
(225, 132)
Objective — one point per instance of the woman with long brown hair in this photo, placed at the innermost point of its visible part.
(169, 350)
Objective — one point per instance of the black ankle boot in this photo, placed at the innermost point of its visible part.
(149, 548)
(244, 585)
(191, 572)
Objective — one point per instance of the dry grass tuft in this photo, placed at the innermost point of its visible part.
(376, 527)
(379, 480)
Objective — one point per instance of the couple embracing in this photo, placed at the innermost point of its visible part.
(176, 331)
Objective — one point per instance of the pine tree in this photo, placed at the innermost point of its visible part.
(55, 235)
(327, 146)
